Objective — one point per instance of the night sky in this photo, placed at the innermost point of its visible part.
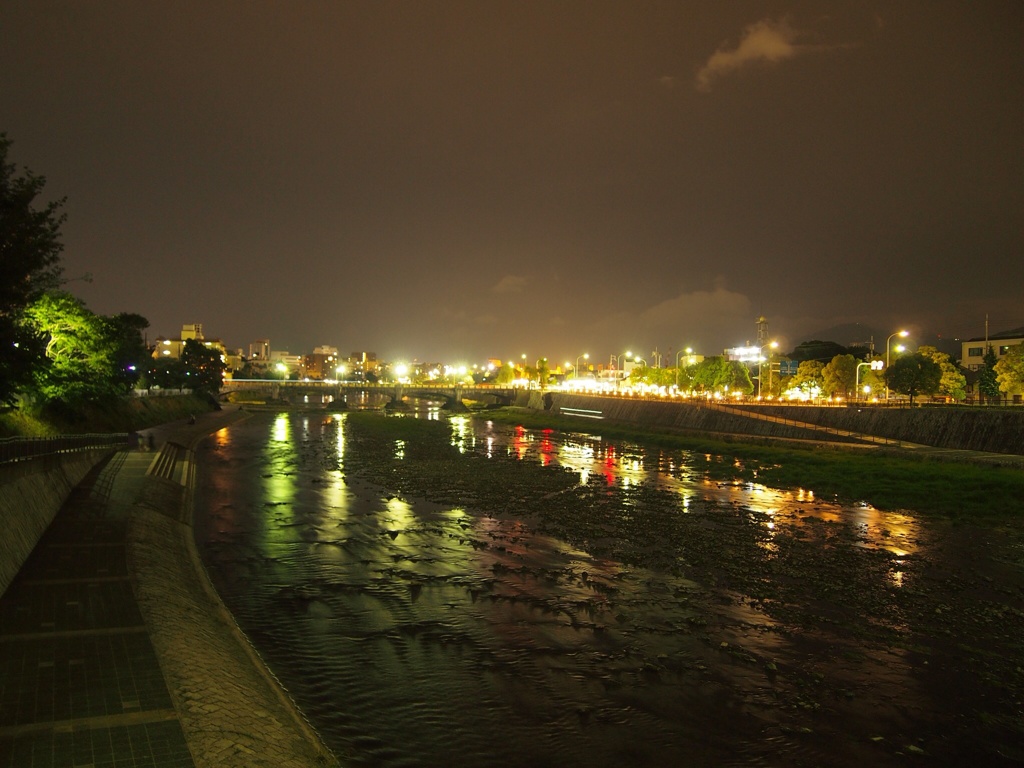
(452, 181)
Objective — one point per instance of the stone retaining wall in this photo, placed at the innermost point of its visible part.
(676, 415)
(31, 494)
(998, 430)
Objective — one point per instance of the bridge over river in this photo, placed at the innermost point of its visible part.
(395, 393)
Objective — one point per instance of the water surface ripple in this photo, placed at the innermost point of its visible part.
(439, 628)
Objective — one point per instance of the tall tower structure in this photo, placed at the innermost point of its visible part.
(762, 331)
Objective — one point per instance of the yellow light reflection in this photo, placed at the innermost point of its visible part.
(340, 438)
(282, 429)
(222, 437)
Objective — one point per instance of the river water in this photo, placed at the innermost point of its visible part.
(440, 633)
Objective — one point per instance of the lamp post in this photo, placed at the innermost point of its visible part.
(618, 359)
(576, 370)
(760, 366)
(687, 351)
(902, 335)
(874, 365)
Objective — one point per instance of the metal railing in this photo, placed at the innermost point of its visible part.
(23, 448)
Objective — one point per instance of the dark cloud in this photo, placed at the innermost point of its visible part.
(470, 180)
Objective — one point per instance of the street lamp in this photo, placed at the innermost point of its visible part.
(576, 370)
(875, 365)
(760, 366)
(688, 351)
(902, 335)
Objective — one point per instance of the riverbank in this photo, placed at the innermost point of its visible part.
(116, 650)
(129, 414)
(886, 478)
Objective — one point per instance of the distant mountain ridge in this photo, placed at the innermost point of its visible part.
(860, 335)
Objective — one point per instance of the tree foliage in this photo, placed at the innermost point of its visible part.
(914, 375)
(1010, 371)
(716, 374)
(506, 375)
(953, 383)
(204, 370)
(30, 249)
(86, 357)
(988, 379)
(808, 377)
(839, 376)
(822, 351)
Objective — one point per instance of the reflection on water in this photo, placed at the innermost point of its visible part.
(416, 633)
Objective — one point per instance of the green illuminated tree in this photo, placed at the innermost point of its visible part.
(914, 375)
(505, 375)
(839, 377)
(30, 249)
(953, 383)
(1010, 371)
(808, 377)
(716, 374)
(87, 357)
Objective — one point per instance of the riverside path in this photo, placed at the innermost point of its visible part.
(114, 649)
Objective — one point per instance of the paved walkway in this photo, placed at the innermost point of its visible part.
(114, 648)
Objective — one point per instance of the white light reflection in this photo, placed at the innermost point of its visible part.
(461, 433)
(399, 449)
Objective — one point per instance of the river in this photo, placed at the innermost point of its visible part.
(460, 631)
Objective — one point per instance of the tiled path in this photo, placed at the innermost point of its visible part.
(80, 683)
(115, 650)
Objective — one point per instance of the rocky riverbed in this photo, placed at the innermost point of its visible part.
(557, 599)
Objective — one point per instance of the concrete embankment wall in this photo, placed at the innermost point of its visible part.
(31, 494)
(999, 430)
(979, 429)
(666, 415)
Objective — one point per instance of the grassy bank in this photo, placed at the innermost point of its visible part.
(125, 415)
(884, 480)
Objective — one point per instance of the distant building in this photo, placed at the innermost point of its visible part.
(973, 355)
(323, 363)
(259, 350)
(283, 362)
(172, 348)
(361, 363)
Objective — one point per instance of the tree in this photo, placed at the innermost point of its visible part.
(808, 378)
(87, 357)
(953, 383)
(716, 374)
(203, 367)
(913, 375)
(30, 249)
(167, 373)
(658, 377)
(871, 380)
(839, 377)
(506, 374)
(988, 379)
(543, 372)
(1010, 371)
(817, 350)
